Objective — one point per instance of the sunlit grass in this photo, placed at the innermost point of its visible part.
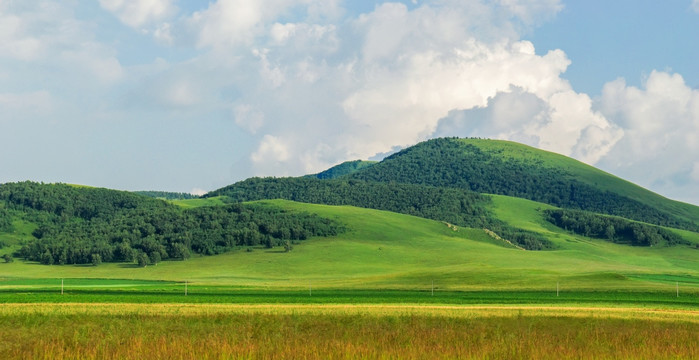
(129, 331)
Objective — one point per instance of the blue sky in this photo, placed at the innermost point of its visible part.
(194, 95)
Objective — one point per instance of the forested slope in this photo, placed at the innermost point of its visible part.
(90, 225)
(494, 167)
(456, 206)
(343, 169)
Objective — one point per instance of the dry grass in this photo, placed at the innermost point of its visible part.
(163, 331)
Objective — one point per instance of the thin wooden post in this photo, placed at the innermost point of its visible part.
(557, 287)
(432, 287)
(61, 286)
(677, 288)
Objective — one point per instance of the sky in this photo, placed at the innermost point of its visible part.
(190, 96)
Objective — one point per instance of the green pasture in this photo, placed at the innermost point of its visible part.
(389, 251)
(192, 203)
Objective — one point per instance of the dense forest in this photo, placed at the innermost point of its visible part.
(5, 220)
(91, 225)
(448, 162)
(614, 229)
(456, 206)
(343, 169)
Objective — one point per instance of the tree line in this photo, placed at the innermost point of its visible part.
(88, 225)
(457, 206)
(613, 229)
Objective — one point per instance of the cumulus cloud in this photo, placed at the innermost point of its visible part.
(227, 23)
(375, 82)
(564, 123)
(295, 86)
(271, 152)
(661, 125)
(136, 14)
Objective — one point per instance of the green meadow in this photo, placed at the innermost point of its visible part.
(389, 251)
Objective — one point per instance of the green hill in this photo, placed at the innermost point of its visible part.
(463, 213)
(457, 206)
(506, 168)
(442, 179)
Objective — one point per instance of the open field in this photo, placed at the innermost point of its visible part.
(206, 294)
(393, 286)
(130, 331)
(384, 250)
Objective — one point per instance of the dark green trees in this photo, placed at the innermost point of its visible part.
(614, 229)
(81, 225)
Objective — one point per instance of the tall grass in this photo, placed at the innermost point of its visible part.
(208, 332)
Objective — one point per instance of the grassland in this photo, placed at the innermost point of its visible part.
(102, 331)
(385, 250)
(394, 286)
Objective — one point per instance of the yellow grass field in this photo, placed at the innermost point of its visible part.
(222, 331)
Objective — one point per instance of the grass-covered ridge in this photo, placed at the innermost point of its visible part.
(506, 168)
(456, 206)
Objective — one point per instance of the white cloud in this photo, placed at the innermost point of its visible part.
(248, 118)
(198, 191)
(302, 86)
(564, 123)
(163, 34)
(661, 126)
(403, 103)
(235, 22)
(56, 44)
(695, 5)
(328, 92)
(271, 152)
(138, 13)
(228, 23)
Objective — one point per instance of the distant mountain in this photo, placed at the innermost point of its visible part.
(346, 168)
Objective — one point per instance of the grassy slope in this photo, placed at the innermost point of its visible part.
(192, 203)
(587, 174)
(388, 250)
